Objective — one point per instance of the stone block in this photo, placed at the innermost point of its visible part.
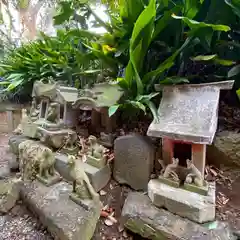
(63, 218)
(186, 204)
(9, 194)
(225, 149)
(98, 177)
(134, 159)
(96, 162)
(140, 216)
(14, 142)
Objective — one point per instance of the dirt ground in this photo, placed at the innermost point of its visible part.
(19, 224)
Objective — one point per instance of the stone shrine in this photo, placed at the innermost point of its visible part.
(94, 104)
(51, 115)
(187, 123)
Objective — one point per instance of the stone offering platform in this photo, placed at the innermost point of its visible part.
(196, 207)
(140, 216)
(98, 177)
(63, 218)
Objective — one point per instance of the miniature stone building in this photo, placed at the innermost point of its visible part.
(51, 115)
(96, 102)
(187, 122)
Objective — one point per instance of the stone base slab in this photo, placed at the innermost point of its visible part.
(193, 206)
(49, 181)
(140, 216)
(98, 177)
(64, 219)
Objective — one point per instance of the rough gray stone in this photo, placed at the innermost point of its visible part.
(225, 149)
(140, 216)
(12, 160)
(133, 163)
(184, 203)
(64, 219)
(98, 177)
(9, 194)
(4, 171)
(14, 142)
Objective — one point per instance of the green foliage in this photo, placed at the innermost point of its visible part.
(63, 58)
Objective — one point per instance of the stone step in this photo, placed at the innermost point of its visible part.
(140, 216)
(63, 218)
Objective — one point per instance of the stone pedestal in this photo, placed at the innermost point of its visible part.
(140, 216)
(193, 206)
(96, 162)
(98, 177)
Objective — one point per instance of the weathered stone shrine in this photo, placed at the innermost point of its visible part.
(51, 115)
(187, 123)
(94, 103)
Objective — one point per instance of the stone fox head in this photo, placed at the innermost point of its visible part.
(71, 160)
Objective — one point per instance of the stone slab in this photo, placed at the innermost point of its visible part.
(63, 218)
(186, 204)
(134, 159)
(98, 177)
(140, 216)
(187, 113)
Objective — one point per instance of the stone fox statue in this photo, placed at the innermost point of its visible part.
(80, 178)
(35, 159)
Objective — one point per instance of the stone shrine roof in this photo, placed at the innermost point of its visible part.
(100, 95)
(67, 94)
(189, 112)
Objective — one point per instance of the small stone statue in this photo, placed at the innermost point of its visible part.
(35, 110)
(37, 160)
(170, 172)
(194, 176)
(70, 141)
(95, 153)
(82, 188)
(96, 150)
(53, 115)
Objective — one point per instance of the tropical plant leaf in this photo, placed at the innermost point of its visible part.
(112, 110)
(196, 25)
(234, 71)
(204, 57)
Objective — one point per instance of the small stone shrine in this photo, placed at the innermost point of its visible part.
(94, 103)
(187, 123)
(51, 115)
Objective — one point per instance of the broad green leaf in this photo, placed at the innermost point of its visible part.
(146, 97)
(14, 84)
(191, 8)
(65, 14)
(154, 110)
(168, 63)
(224, 62)
(234, 71)
(112, 110)
(196, 25)
(143, 20)
(163, 22)
(204, 57)
(235, 5)
(134, 57)
(238, 94)
(137, 104)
